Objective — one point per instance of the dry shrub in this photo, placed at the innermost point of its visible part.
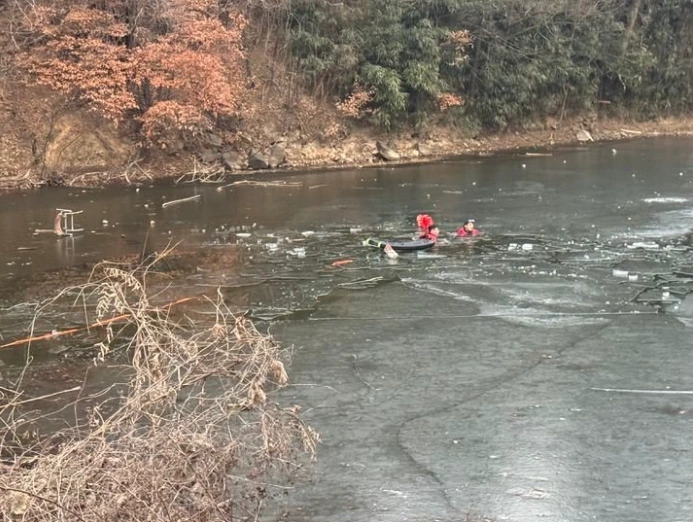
(448, 100)
(193, 436)
(355, 105)
(459, 42)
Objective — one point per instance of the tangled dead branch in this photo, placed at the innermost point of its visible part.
(194, 436)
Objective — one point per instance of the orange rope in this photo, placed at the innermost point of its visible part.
(342, 262)
(103, 322)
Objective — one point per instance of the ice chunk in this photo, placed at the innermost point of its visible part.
(647, 245)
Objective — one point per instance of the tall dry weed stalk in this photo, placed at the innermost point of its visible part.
(194, 435)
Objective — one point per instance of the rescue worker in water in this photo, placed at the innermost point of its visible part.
(427, 228)
(432, 233)
(467, 229)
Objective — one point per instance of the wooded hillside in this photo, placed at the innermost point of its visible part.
(169, 71)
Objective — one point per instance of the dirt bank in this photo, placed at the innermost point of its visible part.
(78, 150)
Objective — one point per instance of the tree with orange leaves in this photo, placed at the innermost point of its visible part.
(172, 66)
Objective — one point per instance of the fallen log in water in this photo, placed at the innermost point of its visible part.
(184, 200)
(262, 184)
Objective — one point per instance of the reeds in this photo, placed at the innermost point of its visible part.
(193, 434)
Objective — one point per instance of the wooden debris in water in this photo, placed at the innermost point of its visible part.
(263, 183)
(183, 200)
(360, 284)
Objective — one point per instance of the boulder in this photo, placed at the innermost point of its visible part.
(257, 160)
(55, 179)
(209, 156)
(214, 140)
(386, 152)
(231, 160)
(423, 149)
(584, 136)
(174, 145)
(277, 155)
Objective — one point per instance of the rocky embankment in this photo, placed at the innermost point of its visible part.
(80, 153)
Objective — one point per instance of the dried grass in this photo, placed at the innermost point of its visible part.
(194, 436)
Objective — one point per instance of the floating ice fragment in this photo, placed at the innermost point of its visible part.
(307, 233)
(620, 273)
(426, 255)
(647, 245)
(512, 246)
(632, 277)
(527, 246)
(355, 230)
(243, 234)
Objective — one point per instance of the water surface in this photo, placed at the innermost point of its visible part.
(468, 381)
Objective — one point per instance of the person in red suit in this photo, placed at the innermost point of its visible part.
(467, 229)
(427, 228)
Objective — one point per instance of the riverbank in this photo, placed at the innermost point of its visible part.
(357, 148)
